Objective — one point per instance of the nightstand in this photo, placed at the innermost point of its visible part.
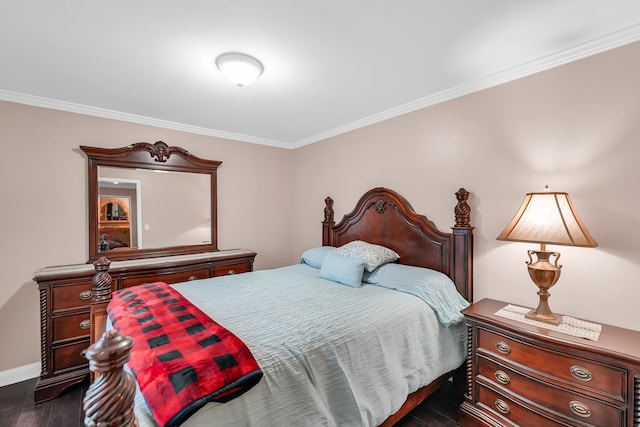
(519, 374)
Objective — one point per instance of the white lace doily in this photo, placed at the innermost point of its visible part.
(568, 325)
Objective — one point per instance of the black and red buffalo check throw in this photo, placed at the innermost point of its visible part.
(181, 358)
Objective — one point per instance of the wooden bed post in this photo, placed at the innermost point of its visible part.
(109, 400)
(328, 223)
(463, 245)
(101, 291)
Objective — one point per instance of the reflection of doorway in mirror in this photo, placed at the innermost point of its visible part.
(119, 216)
(114, 222)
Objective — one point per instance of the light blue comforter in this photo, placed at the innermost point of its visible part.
(332, 355)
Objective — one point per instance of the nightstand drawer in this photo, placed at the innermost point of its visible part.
(579, 408)
(568, 368)
(510, 410)
(224, 270)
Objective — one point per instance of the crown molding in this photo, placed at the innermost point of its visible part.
(54, 104)
(603, 44)
(608, 42)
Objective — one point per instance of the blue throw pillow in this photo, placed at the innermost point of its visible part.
(313, 257)
(342, 269)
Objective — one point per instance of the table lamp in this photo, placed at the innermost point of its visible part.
(546, 217)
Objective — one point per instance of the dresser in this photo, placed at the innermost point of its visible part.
(66, 294)
(520, 374)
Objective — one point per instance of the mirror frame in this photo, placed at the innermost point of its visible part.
(158, 156)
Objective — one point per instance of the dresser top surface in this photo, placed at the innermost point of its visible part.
(612, 339)
(62, 270)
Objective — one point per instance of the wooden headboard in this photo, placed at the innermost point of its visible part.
(384, 217)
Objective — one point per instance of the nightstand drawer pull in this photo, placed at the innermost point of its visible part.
(502, 406)
(85, 295)
(580, 373)
(85, 324)
(231, 272)
(503, 347)
(502, 377)
(580, 409)
(191, 278)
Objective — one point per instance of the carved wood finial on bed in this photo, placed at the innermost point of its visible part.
(101, 290)
(102, 280)
(462, 209)
(109, 400)
(328, 209)
(328, 223)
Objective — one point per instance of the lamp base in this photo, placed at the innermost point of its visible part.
(552, 319)
(544, 275)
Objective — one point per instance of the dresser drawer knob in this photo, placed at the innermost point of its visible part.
(231, 272)
(85, 295)
(580, 373)
(83, 353)
(503, 347)
(502, 406)
(502, 377)
(85, 324)
(192, 278)
(580, 409)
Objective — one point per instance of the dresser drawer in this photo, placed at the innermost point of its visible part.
(175, 277)
(224, 270)
(568, 368)
(70, 356)
(504, 407)
(71, 296)
(66, 327)
(579, 408)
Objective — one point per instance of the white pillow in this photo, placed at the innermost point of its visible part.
(373, 255)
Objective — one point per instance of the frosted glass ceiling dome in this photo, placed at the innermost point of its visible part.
(240, 69)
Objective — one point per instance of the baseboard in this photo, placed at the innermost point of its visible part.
(19, 374)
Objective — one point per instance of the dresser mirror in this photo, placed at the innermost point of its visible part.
(148, 200)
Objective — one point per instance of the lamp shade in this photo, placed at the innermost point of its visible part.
(548, 218)
(238, 68)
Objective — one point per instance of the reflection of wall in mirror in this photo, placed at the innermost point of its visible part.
(177, 208)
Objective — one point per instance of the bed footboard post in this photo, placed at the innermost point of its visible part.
(101, 290)
(463, 246)
(109, 400)
(328, 223)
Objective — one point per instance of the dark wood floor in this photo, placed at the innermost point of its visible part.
(18, 410)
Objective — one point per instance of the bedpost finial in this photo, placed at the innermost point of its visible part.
(101, 284)
(328, 209)
(107, 358)
(462, 209)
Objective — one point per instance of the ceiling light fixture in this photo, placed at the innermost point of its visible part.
(238, 68)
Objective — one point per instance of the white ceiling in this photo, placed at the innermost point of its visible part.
(330, 66)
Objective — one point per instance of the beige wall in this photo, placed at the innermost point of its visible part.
(44, 197)
(575, 128)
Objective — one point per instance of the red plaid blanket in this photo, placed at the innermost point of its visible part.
(181, 359)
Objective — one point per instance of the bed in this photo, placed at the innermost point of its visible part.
(364, 353)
